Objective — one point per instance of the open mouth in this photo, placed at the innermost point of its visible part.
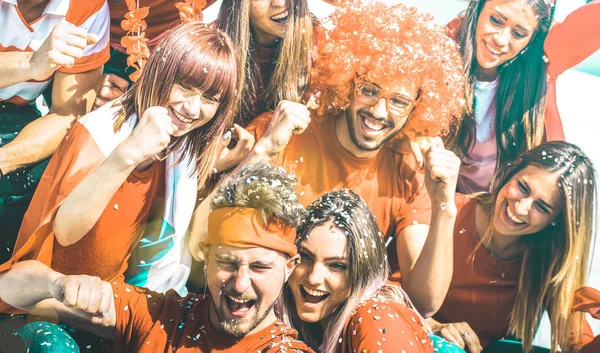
(493, 51)
(312, 296)
(512, 218)
(371, 123)
(239, 307)
(280, 18)
(181, 117)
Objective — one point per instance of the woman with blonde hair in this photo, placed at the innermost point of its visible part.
(129, 171)
(523, 249)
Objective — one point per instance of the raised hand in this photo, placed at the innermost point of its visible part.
(150, 137)
(441, 173)
(229, 158)
(288, 119)
(62, 48)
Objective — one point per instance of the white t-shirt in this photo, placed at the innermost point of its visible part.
(485, 109)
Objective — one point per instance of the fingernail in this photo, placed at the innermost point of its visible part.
(227, 135)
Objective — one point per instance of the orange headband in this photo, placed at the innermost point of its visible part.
(244, 227)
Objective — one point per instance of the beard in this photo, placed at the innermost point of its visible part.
(365, 144)
(240, 327)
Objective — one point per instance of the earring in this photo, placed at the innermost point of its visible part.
(205, 280)
(298, 261)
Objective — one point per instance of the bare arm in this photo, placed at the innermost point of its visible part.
(425, 253)
(72, 97)
(83, 207)
(14, 68)
(81, 301)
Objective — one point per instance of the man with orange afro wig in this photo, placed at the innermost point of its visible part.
(382, 73)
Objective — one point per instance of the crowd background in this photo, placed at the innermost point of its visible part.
(577, 99)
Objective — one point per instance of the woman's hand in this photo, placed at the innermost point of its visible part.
(229, 158)
(459, 333)
(288, 119)
(150, 137)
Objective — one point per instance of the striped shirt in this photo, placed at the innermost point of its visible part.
(18, 35)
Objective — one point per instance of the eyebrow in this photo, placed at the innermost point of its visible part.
(332, 258)
(225, 257)
(541, 201)
(506, 19)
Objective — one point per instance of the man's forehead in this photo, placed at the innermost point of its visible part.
(235, 253)
(393, 84)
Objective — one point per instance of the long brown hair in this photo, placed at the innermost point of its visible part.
(555, 260)
(290, 77)
(193, 55)
(522, 86)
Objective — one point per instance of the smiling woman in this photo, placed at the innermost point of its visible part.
(108, 185)
(337, 296)
(522, 249)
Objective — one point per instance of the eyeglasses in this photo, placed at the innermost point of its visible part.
(397, 104)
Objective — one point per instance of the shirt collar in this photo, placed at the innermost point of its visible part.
(54, 7)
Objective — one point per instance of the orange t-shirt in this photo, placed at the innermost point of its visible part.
(389, 183)
(380, 325)
(104, 250)
(478, 293)
(149, 322)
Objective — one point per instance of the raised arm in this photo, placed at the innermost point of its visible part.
(572, 41)
(425, 253)
(83, 207)
(81, 301)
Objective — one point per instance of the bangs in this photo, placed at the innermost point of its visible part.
(209, 68)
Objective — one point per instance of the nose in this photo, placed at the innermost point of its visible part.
(523, 206)
(242, 280)
(502, 37)
(379, 109)
(193, 106)
(278, 3)
(316, 275)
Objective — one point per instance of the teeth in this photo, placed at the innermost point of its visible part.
(313, 292)
(512, 216)
(184, 120)
(280, 16)
(237, 300)
(495, 52)
(373, 124)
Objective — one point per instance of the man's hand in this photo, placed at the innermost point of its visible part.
(288, 119)
(62, 48)
(459, 333)
(112, 87)
(229, 158)
(441, 173)
(86, 293)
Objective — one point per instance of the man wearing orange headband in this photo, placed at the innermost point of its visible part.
(249, 254)
(380, 74)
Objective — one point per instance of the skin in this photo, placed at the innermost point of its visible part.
(356, 137)
(257, 274)
(504, 28)
(86, 203)
(323, 268)
(72, 94)
(267, 31)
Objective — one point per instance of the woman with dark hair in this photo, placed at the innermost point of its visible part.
(523, 249)
(512, 56)
(337, 297)
(129, 171)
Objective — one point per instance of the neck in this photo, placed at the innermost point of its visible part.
(503, 247)
(486, 75)
(343, 136)
(32, 9)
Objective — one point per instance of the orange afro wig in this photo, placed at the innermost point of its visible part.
(375, 40)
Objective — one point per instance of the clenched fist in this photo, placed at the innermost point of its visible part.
(288, 119)
(62, 48)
